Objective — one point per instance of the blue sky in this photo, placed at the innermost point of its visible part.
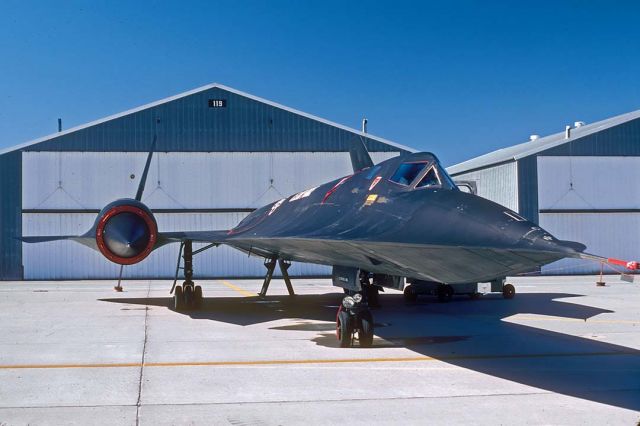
(456, 78)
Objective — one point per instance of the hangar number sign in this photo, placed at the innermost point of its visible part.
(217, 103)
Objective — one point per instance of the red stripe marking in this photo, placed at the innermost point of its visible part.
(335, 187)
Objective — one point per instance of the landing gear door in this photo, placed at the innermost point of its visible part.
(389, 281)
(346, 277)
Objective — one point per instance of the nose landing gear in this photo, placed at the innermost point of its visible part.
(354, 319)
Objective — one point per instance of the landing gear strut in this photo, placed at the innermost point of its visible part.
(188, 295)
(270, 264)
(354, 318)
(370, 292)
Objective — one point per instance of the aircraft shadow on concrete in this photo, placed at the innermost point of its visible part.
(469, 334)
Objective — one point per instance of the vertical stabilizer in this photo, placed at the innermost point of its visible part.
(360, 158)
(145, 173)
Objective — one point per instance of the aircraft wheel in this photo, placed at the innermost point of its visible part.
(445, 293)
(344, 329)
(187, 294)
(178, 300)
(365, 335)
(508, 291)
(197, 296)
(410, 294)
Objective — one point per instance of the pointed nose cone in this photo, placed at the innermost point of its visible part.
(534, 237)
(571, 246)
(126, 235)
(492, 225)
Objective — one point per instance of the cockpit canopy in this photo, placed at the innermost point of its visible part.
(425, 172)
(407, 172)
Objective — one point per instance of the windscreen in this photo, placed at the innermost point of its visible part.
(430, 179)
(447, 182)
(407, 172)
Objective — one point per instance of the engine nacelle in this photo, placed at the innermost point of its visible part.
(126, 231)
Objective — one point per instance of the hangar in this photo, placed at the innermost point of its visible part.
(220, 154)
(580, 185)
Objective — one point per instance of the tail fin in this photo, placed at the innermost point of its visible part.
(143, 179)
(360, 158)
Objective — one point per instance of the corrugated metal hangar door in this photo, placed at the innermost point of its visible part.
(62, 191)
(593, 200)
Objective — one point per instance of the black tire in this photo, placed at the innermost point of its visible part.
(445, 293)
(410, 294)
(178, 300)
(187, 294)
(344, 329)
(197, 296)
(508, 291)
(365, 335)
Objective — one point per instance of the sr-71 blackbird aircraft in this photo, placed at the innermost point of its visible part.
(402, 218)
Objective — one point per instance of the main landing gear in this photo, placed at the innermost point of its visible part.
(445, 292)
(354, 319)
(270, 264)
(508, 291)
(188, 295)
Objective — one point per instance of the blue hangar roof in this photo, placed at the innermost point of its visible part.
(557, 140)
(208, 119)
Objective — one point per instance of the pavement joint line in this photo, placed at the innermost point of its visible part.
(280, 401)
(238, 289)
(312, 401)
(142, 360)
(313, 361)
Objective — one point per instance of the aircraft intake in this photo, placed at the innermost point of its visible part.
(126, 233)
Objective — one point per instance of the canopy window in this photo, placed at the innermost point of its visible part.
(407, 172)
(431, 178)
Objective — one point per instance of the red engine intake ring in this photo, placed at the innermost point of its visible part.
(153, 235)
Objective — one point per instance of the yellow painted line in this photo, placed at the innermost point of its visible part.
(238, 289)
(551, 318)
(315, 361)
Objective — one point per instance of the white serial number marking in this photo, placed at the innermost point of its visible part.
(303, 194)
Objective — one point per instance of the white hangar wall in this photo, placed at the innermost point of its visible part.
(498, 184)
(60, 189)
(590, 200)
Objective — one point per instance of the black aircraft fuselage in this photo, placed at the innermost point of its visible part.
(416, 225)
